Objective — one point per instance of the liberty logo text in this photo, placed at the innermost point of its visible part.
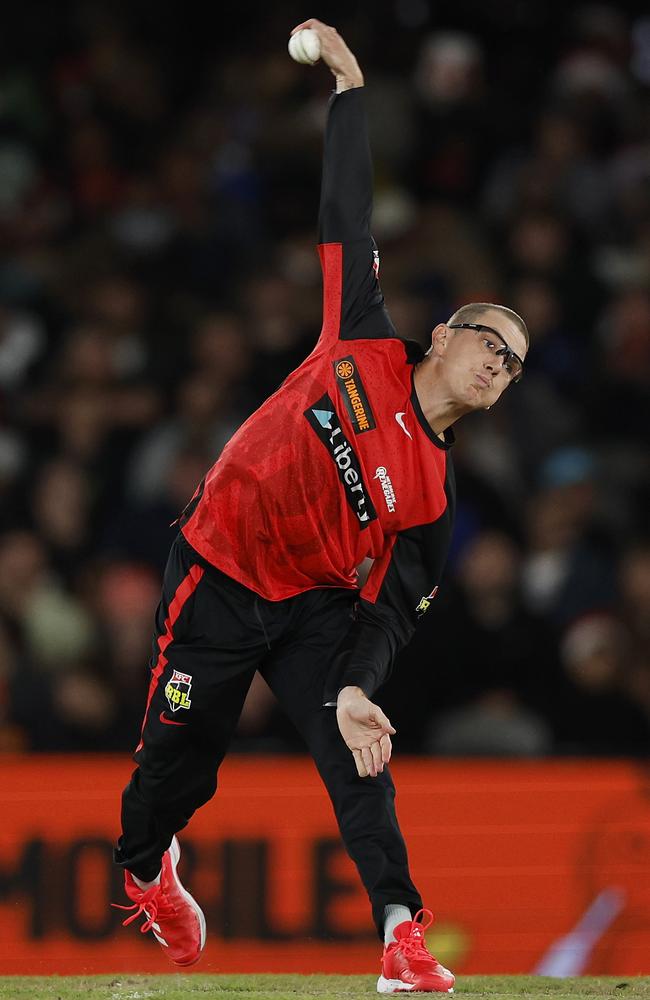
(324, 419)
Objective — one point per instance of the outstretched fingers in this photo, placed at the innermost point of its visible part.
(362, 770)
(386, 748)
(379, 719)
(313, 23)
(372, 758)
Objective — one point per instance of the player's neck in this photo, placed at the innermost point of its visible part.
(438, 405)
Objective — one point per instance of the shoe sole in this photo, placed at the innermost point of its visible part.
(397, 986)
(175, 854)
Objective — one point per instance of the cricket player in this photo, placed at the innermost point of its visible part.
(349, 460)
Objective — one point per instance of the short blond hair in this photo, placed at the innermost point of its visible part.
(474, 312)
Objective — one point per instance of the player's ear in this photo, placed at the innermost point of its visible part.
(439, 339)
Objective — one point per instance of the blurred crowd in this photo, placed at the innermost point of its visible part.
(158, 199)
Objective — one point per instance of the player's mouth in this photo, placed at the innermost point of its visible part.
(482, 381)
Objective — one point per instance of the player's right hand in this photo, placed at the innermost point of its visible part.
(335, 53)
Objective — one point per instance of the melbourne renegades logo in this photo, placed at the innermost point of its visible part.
(177, 690)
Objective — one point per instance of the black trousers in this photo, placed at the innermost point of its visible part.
(212, 634)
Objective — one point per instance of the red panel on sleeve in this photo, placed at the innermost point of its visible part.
(331, 260)
(378, 573)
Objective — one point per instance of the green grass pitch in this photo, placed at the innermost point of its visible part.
(284, 987)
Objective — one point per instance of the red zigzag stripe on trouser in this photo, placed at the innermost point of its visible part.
(184, 591)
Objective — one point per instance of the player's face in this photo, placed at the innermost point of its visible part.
(477, 368)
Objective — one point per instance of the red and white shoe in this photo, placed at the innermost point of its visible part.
(173, 916)
(407, 965)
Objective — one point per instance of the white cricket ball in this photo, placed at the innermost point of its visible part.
(304, 47)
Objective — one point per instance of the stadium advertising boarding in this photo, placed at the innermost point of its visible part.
(530, 867)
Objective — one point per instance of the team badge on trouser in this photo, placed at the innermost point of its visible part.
(177, 690)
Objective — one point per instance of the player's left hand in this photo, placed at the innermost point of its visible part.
(366, 731)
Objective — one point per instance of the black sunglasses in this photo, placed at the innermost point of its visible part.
(511, 361)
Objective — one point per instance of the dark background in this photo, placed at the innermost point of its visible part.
(159, 174)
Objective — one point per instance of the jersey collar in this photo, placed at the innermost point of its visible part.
(424, 423)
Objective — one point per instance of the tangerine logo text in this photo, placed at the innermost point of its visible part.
(354, 395)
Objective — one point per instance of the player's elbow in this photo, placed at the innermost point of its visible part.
(331, 223)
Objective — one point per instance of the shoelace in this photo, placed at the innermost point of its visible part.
(414, 946)
(152, 903)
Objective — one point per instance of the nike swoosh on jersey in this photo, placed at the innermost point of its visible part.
(399, 417)
(170, 722)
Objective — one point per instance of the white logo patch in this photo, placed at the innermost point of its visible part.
(177, 691)
(389, 493)
(399, 417)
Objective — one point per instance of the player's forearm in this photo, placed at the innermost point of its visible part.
(349, 694)
(350, 79)
(363, 661)
(347, 71)
(346, 190)
(370, 656)
(367, 652)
